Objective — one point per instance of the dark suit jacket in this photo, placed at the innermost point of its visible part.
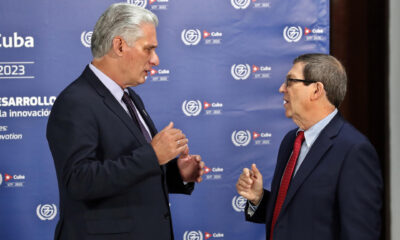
(111, 184)
(335, 194)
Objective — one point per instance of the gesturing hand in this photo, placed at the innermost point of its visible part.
(190, 167)
(250, 184)
(169, 143)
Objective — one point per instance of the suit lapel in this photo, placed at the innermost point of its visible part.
(321, 145)
(112, 104)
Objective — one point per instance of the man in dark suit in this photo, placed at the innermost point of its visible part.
(327, 182)
(114, 170)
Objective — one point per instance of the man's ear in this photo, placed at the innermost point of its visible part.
(117, 45)
(318, 91)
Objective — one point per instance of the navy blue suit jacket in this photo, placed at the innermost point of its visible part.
(110, 182)
(336, 193)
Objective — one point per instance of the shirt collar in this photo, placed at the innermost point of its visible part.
(313, 132)
(110, 84)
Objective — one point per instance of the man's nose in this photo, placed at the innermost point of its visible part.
(154, 60)
(282, 88)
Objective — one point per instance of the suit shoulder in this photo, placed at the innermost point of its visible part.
(350, 135)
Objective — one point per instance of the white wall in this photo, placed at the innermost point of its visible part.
(394, 101)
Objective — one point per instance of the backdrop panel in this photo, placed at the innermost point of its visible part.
(221, 64)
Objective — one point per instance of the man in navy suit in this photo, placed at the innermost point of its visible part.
(327, 182)
(114, 170)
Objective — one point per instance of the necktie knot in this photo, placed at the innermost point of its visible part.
(299, 138)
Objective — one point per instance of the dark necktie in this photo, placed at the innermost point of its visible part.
(132, 110)
(287, 176)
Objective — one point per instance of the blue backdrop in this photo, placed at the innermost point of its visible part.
(221, 60)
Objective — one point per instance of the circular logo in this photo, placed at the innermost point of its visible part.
(191, 36)
(46, 212)
(239, 203)
(240, 71)
(292, 34)
(86, 38)
(240, 4)
(241, 138)
(193, 235)
(139, 3)
(191, 108)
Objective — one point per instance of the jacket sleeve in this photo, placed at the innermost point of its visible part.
(174, 180)
(259, 216)
(360, 194)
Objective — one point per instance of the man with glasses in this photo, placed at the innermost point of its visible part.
(327, 182)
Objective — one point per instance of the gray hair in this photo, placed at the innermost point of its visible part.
(329, 71)
(120, 19)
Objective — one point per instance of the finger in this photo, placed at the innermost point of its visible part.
(199, 179)
(245, 183)
(183, 141)
(255, 170)
(181, 149)
(177, 134)
(187, 151)
(246, 172)
(202, 164)
(169, 126)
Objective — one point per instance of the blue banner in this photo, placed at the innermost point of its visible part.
(221, 61)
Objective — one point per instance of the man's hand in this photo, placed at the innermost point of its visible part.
(169, 143)
(190, 167)
(250, 184)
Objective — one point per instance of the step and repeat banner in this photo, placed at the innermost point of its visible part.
(221, 64)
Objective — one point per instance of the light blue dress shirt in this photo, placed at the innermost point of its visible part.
(310, 135)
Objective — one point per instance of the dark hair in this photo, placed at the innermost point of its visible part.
(329, 71)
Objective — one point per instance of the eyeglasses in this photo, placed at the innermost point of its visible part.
(306, 82)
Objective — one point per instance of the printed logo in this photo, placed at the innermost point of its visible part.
(239, 203)
(16, 41)
(241, 138)
(16, 180)
(193, 235)
(243, 71)
(194, 107)
(240, 4)
(314, 34)
(86, 38)
(240, 71)
(46, 211)
(158, 4)
(191, 108)
(292, 34)
(160, 75)
(7, 177)
(214, 173)
(198, 235)
(191, 36)
(139, 3)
